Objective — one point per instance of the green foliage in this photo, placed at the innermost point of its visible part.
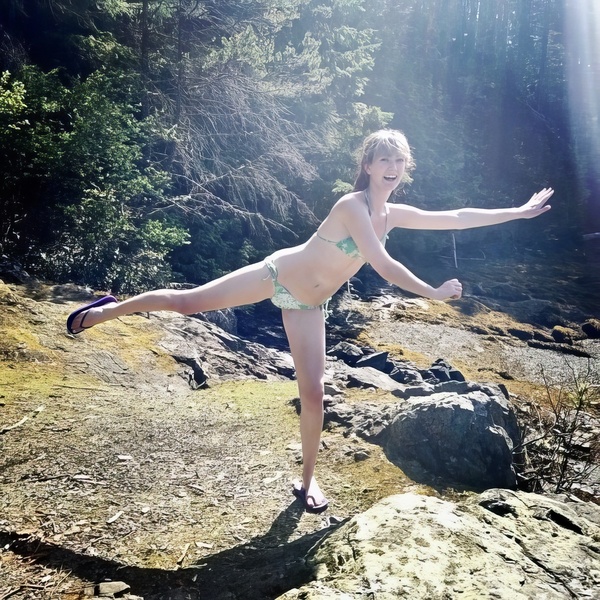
(334, 47)
(12, 94)
(114, 251)
(74, 165)
(102, 49)
(122, 124)
(217, 247)
(29, 151)
(12, 106)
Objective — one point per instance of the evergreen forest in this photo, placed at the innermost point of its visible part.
(144, 142)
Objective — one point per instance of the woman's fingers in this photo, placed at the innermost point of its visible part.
(537, 203)
(541, 197)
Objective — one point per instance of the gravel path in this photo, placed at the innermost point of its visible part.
(485, 353)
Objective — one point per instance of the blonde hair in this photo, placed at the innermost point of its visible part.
(388, 141)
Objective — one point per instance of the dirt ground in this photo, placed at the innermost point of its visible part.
(113, 469)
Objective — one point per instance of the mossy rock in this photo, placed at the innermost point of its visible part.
(564, 335)
(7, 296)
(591, 328)
(541, 336)
(520, 334)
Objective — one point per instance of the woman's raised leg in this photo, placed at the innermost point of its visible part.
(245, 286)
(305, 330)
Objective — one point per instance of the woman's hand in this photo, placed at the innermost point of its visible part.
(451, 289)
(536, 205)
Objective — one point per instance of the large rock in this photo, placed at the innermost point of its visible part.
(455, 433)
(377, 360)
(347, 352)
(212, 354)
(463, 438)
(562, 348)
(502, 544)
(591, 328)
(368, 377)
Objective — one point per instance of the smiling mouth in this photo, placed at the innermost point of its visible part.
(390, 177)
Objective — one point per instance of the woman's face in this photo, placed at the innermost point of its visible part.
(387, 169)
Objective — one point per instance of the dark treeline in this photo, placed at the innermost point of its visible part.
(146, 141)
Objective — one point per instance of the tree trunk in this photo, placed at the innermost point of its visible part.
(144, 61)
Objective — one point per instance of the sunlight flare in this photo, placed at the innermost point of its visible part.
(583, 70)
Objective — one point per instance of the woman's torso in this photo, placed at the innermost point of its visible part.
(312, 272)
(315, 270)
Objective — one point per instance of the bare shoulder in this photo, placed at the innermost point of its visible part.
(349, 203)
(348, 210)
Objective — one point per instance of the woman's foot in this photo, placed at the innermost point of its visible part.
(89, 315)
(313, 499)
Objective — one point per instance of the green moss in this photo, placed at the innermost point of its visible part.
(265, 401)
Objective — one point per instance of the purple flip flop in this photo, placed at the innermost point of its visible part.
(300, 493)
(100, 302)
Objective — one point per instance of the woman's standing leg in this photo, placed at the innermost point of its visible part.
(305, 330)
(245, 286)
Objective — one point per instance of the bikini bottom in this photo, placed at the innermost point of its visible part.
(282, 298)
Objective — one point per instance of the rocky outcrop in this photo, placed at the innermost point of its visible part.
(591, 328)
(563, 348)
(500, 544)
(13, 272)
(457, 433)
(207, 352)
(467, 437)
(442, 430)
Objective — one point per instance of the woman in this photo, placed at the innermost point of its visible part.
(300, 280)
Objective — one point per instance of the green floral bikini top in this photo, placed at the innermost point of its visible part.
(348, 245)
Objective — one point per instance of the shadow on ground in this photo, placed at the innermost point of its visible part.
(263, 568)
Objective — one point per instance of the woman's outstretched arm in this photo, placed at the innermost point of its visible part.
(397, 274)
(408, 217)
(355, 218)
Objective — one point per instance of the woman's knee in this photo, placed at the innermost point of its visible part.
(182, 301)
(311, 396)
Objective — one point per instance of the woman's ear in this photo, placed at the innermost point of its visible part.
(367, 168)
